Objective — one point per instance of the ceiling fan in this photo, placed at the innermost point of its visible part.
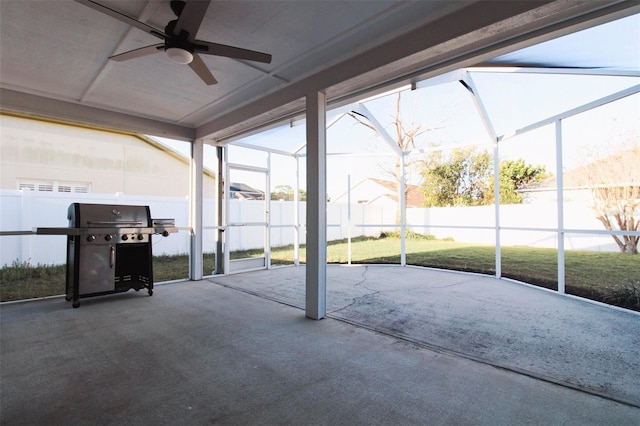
(179, 42)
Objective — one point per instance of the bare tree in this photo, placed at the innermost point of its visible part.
(405, 138)
(614, 182)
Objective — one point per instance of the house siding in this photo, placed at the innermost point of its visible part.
(110, 162)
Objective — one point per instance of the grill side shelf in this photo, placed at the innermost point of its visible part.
(111, 230)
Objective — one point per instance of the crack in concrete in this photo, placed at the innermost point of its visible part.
(364, 276)
(357, 300)
(451, 285)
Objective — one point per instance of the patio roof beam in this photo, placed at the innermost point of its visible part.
(247, 168)
(363, 111)
(334, 120)
(448, 77)
(508, 69)
(570, 113)
(74, 113)
(468, 83)
(262, 148)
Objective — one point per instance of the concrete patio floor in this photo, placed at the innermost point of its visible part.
(522, 328)
(400, 346)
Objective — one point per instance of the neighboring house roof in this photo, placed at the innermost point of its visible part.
(386, 189)
(415, 197)
(620, 169)
(244, 191)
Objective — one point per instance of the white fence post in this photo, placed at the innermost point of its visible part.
(560, 197)
(27, 225)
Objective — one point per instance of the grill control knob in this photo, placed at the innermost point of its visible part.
(165, 233)
(125, 237)
(140, 237)
(91, 238)
(107, 237)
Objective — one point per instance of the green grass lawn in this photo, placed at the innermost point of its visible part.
(610, 277)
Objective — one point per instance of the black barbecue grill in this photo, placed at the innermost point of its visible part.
(109, 248)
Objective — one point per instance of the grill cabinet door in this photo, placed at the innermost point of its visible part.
(97, 269)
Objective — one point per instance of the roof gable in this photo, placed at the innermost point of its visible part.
(387, 189)
(619, 169)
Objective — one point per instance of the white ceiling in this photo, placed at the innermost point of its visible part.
(54, 56)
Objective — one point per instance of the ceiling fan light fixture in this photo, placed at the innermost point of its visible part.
(179, 56)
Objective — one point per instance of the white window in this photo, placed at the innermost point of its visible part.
(53, 186)
(27, 186)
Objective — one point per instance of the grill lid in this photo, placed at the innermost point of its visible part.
(108, 215)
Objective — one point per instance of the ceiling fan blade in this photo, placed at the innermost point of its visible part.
(216, 49)
(201, 69)
(191, 18)
(136, 53)
(123, 18)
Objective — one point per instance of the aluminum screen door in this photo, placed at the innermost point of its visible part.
(247, 218)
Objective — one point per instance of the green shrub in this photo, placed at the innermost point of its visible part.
(24, 270)
(409, 235)
(22, 280)
(625, 295)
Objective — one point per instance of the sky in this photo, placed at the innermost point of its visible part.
(448, 117)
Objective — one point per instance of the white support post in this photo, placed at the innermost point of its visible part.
(220, 210)
(195, 209)
(496, 198)
(560, 198)
(267, 214)
(227, 210)
(403, 212)
(349, 220)
(296, 216)
(316, 272)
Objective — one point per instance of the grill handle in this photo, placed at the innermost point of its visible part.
(114, 223)
(112, 257)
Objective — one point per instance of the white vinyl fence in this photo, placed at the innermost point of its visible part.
(26, 211)
(531, 225)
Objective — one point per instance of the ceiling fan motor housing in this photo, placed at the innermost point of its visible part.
(178, 43)
(177, 47)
